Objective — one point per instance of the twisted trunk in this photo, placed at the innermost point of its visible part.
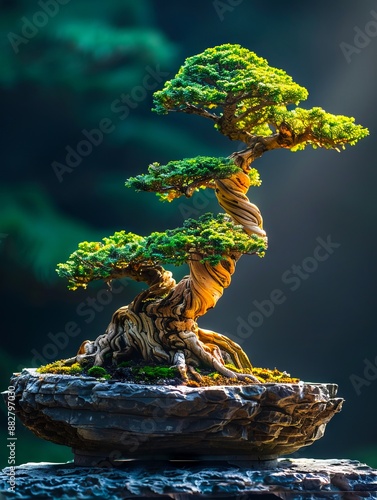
(160, 325)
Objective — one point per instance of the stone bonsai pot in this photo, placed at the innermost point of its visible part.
(105, 421)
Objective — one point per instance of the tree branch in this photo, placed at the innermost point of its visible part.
(284, 139)
(191, 109)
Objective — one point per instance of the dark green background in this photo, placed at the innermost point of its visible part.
(66, 78)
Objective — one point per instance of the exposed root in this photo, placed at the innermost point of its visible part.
(185, 349)
(194, 374)
(180, 363)
(70, 361)
(203, 353)
(210, 338)
(223, 370)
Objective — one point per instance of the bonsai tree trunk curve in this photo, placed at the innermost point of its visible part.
(160, 325)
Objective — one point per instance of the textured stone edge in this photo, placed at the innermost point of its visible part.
(79, 383)
(329, 478)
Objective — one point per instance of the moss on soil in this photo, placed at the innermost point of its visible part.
(138, 373)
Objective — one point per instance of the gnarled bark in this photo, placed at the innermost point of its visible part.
(160, 325)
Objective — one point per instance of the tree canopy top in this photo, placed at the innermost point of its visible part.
(227, 74)
(247, 98)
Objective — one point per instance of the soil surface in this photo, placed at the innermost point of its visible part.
(139, 373)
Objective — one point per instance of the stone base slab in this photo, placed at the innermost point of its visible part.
(291, 479)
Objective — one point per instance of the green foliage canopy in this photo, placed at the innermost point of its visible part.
(229, 75)
(183, 177)
(247, 98)
(208, 239)
(321, 129)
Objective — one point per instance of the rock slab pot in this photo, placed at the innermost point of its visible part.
(110, 420)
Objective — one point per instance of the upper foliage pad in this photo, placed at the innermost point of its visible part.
(210, 78)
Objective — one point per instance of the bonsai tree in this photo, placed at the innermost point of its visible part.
(247, 100)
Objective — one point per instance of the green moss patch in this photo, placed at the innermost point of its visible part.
(98, 372)
(138, 373)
